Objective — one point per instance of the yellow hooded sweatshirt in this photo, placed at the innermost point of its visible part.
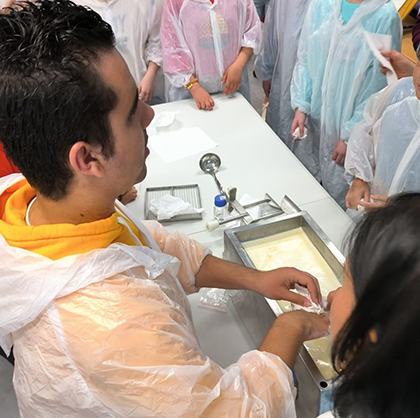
(59, 240)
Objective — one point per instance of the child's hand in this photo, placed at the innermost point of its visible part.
(202, 98)
(379, 202)
(339, 154)
(359, 189)
(266, 84)
(146, 89)
(402, 65)
(298, 121)
(129, 196)
(232, 78)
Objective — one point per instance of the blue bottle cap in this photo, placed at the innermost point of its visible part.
(220, 200)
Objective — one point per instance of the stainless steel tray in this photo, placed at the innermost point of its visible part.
(188, 192)
(258, 313)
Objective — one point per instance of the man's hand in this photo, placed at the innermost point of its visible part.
(359, 189)
(232, 78)
(298, 122)
(266, 85)
(380, 202)
(402, 65)
(339, 154)
(276, 284)
(146, 88)
(201, 97)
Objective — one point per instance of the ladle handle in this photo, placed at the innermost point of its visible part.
(219, 186)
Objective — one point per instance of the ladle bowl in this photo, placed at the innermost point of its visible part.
(210, 164)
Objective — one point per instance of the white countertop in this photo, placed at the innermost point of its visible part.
(255, 161)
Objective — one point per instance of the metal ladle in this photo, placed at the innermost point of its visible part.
(210, 164)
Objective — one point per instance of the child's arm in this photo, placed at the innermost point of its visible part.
(360, 162)
(251, 42)
(264, 63)
(301, 85)
(152, 53)
(178, 63)
(232, 76)
(146, 86)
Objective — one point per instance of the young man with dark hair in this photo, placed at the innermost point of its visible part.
(93, 301)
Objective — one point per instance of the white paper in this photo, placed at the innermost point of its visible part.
(314, 308)
(168, 206)
(296, 133)
(161, 121)
(377, 43)
(182, 143)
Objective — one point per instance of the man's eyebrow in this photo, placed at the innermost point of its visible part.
(135, 103)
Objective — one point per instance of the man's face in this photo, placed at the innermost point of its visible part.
(416, 78)
(128, 121)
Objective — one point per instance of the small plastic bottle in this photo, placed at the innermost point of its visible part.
(219, 207)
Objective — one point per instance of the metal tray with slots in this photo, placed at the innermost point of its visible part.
(187, 192)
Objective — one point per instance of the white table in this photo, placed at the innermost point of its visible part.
(254, 160)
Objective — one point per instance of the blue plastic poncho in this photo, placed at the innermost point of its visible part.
(384, 149)
(276, 61)
(336, 73)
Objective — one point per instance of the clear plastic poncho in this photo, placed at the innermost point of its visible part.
(136, 25)
(384, 149)
(109, 334)
(276, 61)
(204, 39)
(336, 73)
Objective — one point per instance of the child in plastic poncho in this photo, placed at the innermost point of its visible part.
(336, 74)
(206, 46)
(274, 65)
(375, 315)
(383, 153)
(136, 25)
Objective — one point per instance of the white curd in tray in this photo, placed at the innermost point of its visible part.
(294, 249)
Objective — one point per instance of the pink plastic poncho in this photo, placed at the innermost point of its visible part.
(204, 39)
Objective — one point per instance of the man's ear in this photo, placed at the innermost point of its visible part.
(87, 159)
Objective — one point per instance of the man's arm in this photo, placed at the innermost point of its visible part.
(274, 284)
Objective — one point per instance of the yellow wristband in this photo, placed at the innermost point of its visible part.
(191, 83)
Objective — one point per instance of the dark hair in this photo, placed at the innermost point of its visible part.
(381, 379)
(51, 94)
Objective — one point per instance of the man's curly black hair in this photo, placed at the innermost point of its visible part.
(51, 94)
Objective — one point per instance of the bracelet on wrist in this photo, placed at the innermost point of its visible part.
(190, 84)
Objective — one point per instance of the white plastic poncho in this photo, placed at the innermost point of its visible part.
(282, 27)
(384, 149)
(336, 73)
(136, 25)
(109, 334)
(204, 39)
